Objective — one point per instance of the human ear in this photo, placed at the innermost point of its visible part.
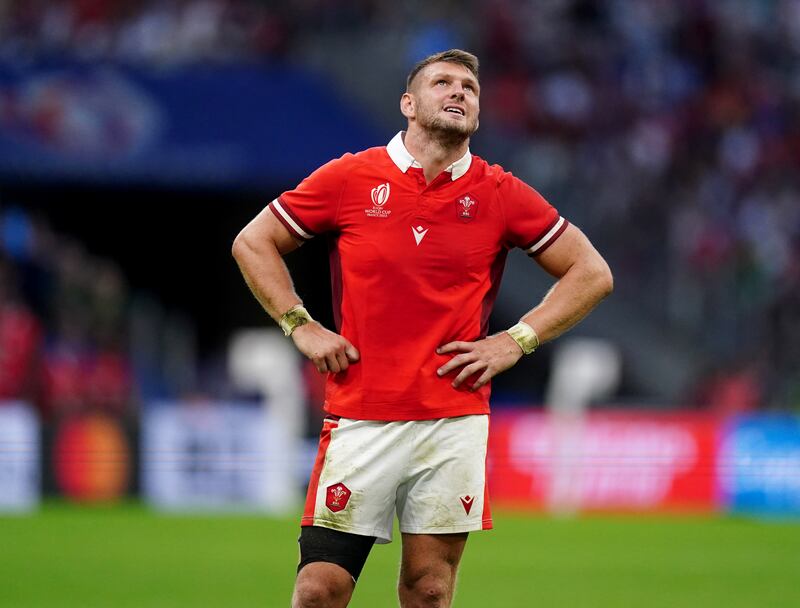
(407, 105)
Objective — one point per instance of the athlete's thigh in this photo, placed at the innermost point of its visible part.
(322, 545)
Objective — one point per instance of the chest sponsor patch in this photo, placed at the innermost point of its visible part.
(466, 208)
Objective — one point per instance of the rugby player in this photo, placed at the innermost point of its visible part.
(419, 231)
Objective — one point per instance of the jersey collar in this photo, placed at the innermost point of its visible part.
(402, 158)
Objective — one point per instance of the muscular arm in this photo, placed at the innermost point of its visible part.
(258, 250)
(584, 279)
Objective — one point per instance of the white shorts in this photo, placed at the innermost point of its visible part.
(431, 472)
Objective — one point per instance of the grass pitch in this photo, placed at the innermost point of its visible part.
(127, 556)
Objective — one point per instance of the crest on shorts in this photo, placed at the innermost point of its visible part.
(336, 497)
(466, 208)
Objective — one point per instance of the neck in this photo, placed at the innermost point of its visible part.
(434, 152)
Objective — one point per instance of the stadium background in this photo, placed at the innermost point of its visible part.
(137, 138)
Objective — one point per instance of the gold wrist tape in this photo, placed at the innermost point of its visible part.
(523, 334)
(293, 318)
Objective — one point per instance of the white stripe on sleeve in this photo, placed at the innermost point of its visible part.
(543, 241)
(288, 218)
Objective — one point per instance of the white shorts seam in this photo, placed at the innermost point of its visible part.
(427, 529)
(335, 525)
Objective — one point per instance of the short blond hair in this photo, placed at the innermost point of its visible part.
(468, 60)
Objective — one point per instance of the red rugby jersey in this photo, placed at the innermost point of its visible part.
(413, 267)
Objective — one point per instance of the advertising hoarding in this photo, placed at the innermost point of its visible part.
(605, 461)
(212, 456)
(19, 457)
(759, 466)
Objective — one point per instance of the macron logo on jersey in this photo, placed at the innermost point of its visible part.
(419, 233)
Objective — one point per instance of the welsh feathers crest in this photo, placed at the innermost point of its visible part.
(466, 208)
(336, 497)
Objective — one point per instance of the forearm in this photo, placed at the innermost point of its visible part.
(259, 250)
(573, 297)
(265, 272)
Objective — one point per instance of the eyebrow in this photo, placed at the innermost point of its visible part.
(470, 79)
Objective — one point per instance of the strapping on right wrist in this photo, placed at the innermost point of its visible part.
(525, 337)
(293, 318)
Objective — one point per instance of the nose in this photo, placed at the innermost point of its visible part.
(458, 92)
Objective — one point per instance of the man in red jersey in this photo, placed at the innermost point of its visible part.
(419, 232)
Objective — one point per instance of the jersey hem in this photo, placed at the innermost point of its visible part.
(367, 412)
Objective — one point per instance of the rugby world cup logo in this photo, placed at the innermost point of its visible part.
(466, 208)
(380, 194)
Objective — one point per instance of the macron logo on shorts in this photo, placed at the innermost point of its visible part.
(467, 502)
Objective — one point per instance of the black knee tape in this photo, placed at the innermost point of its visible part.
(350, 551)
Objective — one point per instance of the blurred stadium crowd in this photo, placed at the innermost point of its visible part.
(151, 31)
(167, 31)
(62, 322)
(74, 337)
(669, 130)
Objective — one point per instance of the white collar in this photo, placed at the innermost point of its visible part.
(402, 158)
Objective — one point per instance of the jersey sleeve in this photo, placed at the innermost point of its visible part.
(532, 224)
(311, 208)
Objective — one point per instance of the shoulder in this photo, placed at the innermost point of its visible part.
(349, 161)
(371, 156)
(511, 190)
(494, 173)
(344, 162)
(512, 186)
(337, 170)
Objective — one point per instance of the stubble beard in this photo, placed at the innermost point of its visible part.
(447, 133)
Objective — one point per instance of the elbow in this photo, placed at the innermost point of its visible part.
(604, 280)
(236, 248)
(596, 277)
(239, 246)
